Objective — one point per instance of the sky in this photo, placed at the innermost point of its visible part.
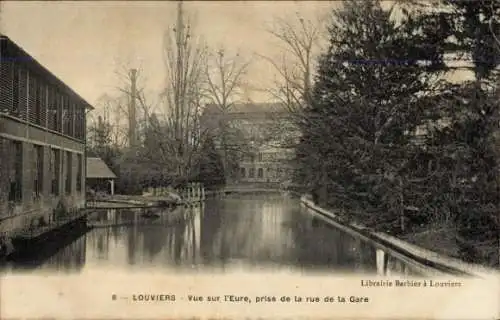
(86, 43)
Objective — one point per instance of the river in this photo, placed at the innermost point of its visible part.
(233, 233)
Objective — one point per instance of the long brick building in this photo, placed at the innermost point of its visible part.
(42, 143)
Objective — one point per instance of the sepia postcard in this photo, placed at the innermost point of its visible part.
(250, 159)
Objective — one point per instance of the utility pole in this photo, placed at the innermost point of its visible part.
(132, 129)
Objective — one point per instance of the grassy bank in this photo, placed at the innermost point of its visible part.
(441, 238)
(444, 239)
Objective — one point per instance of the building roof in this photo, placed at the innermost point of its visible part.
(12, 52)
(97, 168)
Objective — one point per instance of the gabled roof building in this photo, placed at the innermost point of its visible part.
(99, 176)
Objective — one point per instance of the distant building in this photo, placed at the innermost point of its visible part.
(266, 127)
(268, 164)
(42, 142)
(99, 176)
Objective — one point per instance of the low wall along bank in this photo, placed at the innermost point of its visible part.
(431, 259)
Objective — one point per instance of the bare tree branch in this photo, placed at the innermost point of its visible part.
(185, 59)
(301, 39)
(225, 78)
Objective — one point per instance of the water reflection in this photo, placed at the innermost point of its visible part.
(127, 237)
(71, 257)
(238, 231)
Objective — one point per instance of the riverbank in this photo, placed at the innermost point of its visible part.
(430, 257)
(441, 238)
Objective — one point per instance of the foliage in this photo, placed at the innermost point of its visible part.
(387, 141)
(168, 143)
(476, 26)
(365, 102)
(469, 146)
(211, 170)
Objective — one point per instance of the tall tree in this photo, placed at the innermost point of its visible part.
(211, 170)
(359, 129)
(225, 75)
(469, 144)
(185, 58)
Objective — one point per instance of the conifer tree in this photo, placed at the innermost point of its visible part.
(211, 169)
(358, 134)
(467, 184)
(379, 84)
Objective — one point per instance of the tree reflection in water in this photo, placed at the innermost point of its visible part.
(71, 259)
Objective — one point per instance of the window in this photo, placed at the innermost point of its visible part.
(279, 172)
(16, 90)
(35, 85)
(32, 98)
(16, 176)
(66, 116)
(79, 122)
(72, 120)
(260, 156)
(59, 106)
(242, 172)
(42, 95)
(22, 93)
(251, 173)
(260, 173)
(37, 171)
(68, 172)
(79, 173)
(55, 165)
(52, 109)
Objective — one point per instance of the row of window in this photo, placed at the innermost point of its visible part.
(29, 97)
(260, 172)
(57, 159)
(251, 173)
